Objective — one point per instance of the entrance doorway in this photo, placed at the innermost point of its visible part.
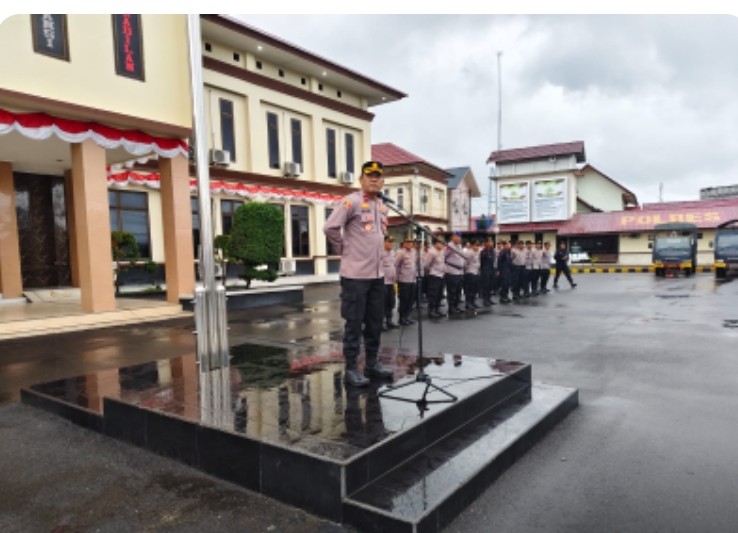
(42, 230)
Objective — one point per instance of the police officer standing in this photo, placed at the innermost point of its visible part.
(435, 269)
(504, 272)
(471, 275)
(356, 229)
(518, 269)
(454, 256)
(487, 271)
(390, 278)
(545, 266)
(406, 278)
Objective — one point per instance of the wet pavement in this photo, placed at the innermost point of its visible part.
(652, 446)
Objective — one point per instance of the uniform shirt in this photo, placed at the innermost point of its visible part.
(405, 265)
(545, 258)
(518, 257)
(435, 263)
(529, 259)
(537, 258)
(454, 257)
(388, 267)
(473, 261)
(356, 230)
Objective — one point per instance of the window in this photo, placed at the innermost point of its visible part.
(208, 47)
(328, 246)
(538, 237)
(273, 140)
(514, 237)
(401, 198)
(227, 134)
(129, 211)
(338, 93)
(195, 207)
(331, 144)
(424, 198)
(349, 138)
(258, 65)
(236, 56)
(281, 73)
(300, 231)
(320, 86)
(303, 81)
(227, 208)
(296, 132)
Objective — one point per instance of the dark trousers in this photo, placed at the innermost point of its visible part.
(503, 284)
(544, 274)
(453, 290)
(565, 269)
(435, 290)
(389, 301)
(362, 307)
(407, 295)
(533, 279)
(487, 280)
(517, 277)
(471, 288)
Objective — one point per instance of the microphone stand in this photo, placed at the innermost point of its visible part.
(421, 376)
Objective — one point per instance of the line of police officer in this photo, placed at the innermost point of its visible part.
(510, 272)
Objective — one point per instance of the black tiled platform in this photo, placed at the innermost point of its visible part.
(280, 421)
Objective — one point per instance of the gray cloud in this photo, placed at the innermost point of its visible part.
(653, 97)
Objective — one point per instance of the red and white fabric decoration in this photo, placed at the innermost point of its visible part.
(259, 193)
(41, 126)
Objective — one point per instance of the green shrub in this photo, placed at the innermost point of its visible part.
(256, 240)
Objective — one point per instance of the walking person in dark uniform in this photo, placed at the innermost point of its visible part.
(562, 265)
(356, 229)
(390, 278)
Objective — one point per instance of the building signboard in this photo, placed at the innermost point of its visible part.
(128, 44)
(513, 202)
(549, 199)
(50, 35)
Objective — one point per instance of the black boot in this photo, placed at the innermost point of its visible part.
(374, 370)
(354, 379)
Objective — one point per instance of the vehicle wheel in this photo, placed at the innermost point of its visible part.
(687, 272)
(720, 273)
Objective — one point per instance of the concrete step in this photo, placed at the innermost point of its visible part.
(426, 492)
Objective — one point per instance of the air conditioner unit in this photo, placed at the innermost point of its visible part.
(292, 170)
(347, 177)
(220, 157)
(287, 267)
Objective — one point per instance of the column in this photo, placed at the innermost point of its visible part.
(92, 227)
(11, 282)
(177, 221)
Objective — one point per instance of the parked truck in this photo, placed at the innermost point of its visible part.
(726, 249)
(674, 249)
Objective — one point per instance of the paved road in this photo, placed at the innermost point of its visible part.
(652, 447)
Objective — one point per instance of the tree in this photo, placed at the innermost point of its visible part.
(125, 249)
(256, 240)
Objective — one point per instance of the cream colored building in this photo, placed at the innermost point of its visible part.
(108, 150)
(79, 93)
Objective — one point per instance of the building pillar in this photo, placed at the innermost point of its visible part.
(177, 221)
(11, 282)
(92, 227)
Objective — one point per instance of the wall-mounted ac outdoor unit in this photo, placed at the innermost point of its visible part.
(292, 170)
(347, 177)
(220, 157)
(287, 267)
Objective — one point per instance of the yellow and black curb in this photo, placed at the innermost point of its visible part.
(621, 270)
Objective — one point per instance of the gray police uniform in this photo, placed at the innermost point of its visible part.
(390, 278)
(356, 230)
(406, 278)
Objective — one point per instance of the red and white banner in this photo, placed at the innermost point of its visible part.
(260, 193)
(41, 126)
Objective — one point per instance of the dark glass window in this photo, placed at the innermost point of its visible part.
(129, 211)
(227, 127)
(236, 56)
(258, 65)
(328, 246)
(227, 208)
(538, 237)
(273, 139)
(195, 206)
(330, 139)
(208, 47)
(296, 130)
(300, 231)
(350, 152)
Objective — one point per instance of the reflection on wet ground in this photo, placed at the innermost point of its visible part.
(292, 396)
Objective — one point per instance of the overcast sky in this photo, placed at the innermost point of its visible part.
(654, 98)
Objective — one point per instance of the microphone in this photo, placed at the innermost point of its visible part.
(385, 198)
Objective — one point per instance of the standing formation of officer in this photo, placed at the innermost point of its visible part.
(454, 257)
(390, 278)
(406, 270)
